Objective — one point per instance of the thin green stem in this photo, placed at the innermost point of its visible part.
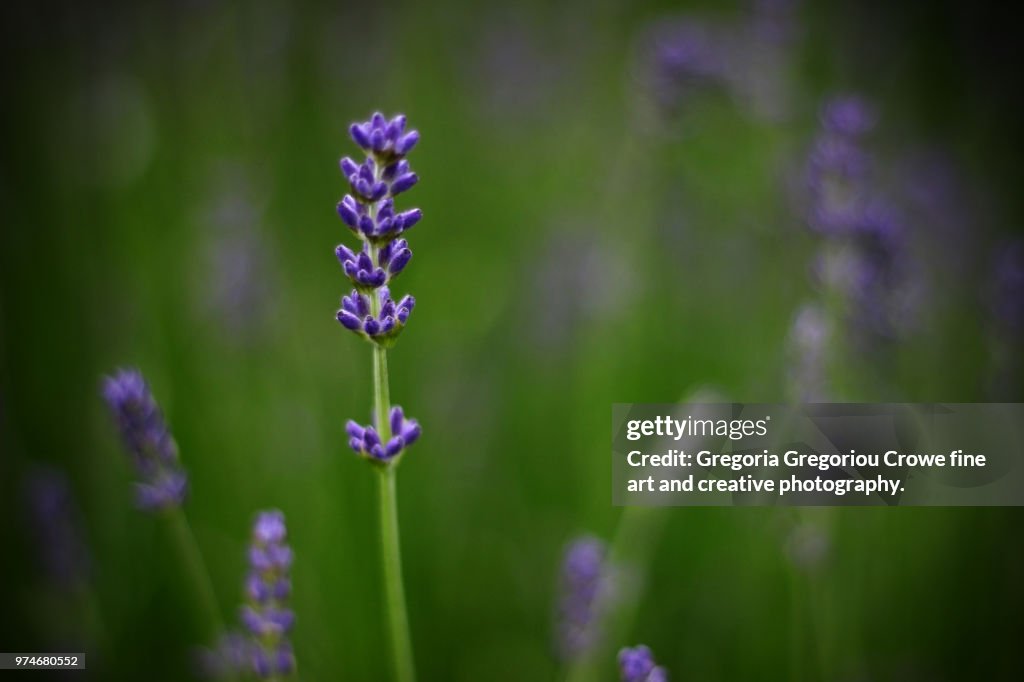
(398, 621)
(196, 569)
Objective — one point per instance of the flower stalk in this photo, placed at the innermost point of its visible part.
(370, 312)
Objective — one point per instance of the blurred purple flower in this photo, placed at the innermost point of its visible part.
(847, 116)
(583, 586)
(267, 616)
(838, 167)
(148, 440)
(637, 665)
(686, 57)
(56, 527)
(576, 279)
(866, 257)
(236, 287)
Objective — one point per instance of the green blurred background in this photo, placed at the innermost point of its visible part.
(168, 182)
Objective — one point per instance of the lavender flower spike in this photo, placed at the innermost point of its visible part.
(637, 665)
(148, 440)
(582, 587)
(268, 586)
(370, 312)
(369, 211)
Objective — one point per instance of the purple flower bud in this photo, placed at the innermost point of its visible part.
(637, 665)
(348, 320)
(403, 183)
(410, 431)
(349, 168)
(348, 212)
(395, 446)
(399, 261)
(377, 140)
(395, 128)
(360, 135)
(407, 142)
(146, 437)
(410, 218)
(284, 659)
(396, 418)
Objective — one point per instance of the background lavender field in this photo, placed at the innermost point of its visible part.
(616, 209)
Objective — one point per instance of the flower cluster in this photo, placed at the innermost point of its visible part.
(266, 615)
(865, 257)
(381, 326)
(838, 166)
(369, 311)
(365, 273)
(637, 665)
(582, 586)
(366, 441)
(369, 211)
(687, 57)
(148, 440)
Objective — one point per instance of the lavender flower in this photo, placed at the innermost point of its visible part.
(637, 665)
(266, 615)
(366, 441)
(147, 439)
(582, 588)
(848, 116)
(369, 210)
(56, 528)
(864, 260)
(687, 57)
(370, 312)
(838, 166)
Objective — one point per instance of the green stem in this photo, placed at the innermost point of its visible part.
(398, 621)
(196, 568)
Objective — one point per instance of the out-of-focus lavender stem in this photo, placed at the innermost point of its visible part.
(196, 569)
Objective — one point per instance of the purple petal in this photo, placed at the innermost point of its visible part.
(399, 262)
(359, 135)
(407, 142)
(348, 320)
(403, 183)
